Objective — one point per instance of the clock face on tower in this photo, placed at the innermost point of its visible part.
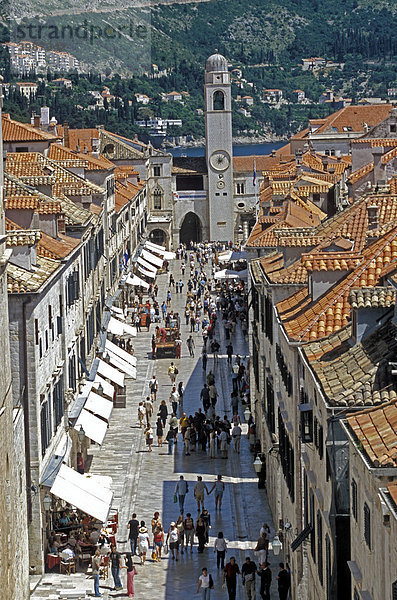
(220, 160)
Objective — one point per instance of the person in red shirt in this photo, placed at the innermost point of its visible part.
(229, 576)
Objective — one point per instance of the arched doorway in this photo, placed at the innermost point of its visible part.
(190, 229)
(158, 236)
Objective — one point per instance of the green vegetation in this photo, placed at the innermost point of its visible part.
(266, 38)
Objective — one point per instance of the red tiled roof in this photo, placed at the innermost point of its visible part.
(61, 153)
(376, 430)
(306, 320)
(14, 131)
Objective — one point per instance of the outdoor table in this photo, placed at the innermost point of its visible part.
(52, 560)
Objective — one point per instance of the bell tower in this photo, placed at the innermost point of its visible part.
(219, 148)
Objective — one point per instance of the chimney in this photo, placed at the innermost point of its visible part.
(373, 217)
(273, 154)
(66, 139)
(61, 224)
(298, 157)
(36, 121)
(45, 116)
(379, 169)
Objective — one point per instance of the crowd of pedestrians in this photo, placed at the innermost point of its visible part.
(208, 431)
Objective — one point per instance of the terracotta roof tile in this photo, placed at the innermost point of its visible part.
(356, 117)
(376, 430)
(23, 281)
(392, 489)
(354, 375)
(373, 297)
(360, 173)
(60, 153)
(23, 237)
(14, 131)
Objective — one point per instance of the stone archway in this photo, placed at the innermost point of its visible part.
(190, 230)
(159, 237)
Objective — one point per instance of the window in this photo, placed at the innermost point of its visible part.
(271, 417)
(156, 171)
(46, 426)
(393, 129)
(108, 149)
(328, 566)
(157, 199)
(22, 149)
(320, 442)
(218, 100)
(57, 398)
(367, 525)
(354, 499)
(36, 332)
(307, 426)
(269, 319)
(287, 457)
(313, 524)
(240, 188)
(320, 547)
(394, 591)
(305, 499)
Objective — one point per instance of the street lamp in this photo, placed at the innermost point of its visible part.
(257, 465)
(276, 545)
(47, 502)
(81, 434)
(247, 414)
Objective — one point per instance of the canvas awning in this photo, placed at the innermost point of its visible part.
(61, 455)
(120, 352)
(107, 387)
(121, 364)
(225, 256)
(99, 406)
(146, 273)
(92, 495)
(119, 328)
(152, 258)
(110, 373)
(135, 280)
(226, 274)
(117, 310)
(94, 427)
(160, 250)
(146, 265)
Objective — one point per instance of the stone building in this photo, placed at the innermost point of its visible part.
(15, 478)
(373, 499)
(319, 294)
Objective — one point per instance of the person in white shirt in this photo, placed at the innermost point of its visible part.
(223, 442)
(236, 435)
(68, 554)
(173, 537)
(204, 583)
(220, 547)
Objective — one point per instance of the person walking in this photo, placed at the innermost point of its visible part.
(96, 562)
(262, 547)
(141, 414)
(248, 571)
(236, 436)
(181, 532)
(173, 537)
(205, 397)
(148, 410)
(158, 541)
(219, 488)
(220, 547)
(178, 347)
(133, 526)
(204, 358)
(159, 432)
(149, 437)
(181, 391)
(213, 393)
(284, 582)
(229, 577)
(213, 441)
(265, 575)
(188, 525)
(200, 531)
(153, 386)
(181, 489)
(143, 543)
(116, 565)
(131, 572)
(199, 490)
(205, 583)
(163, 412)
(170, 437)
(191, 345)
(172, 372)
(174, 397)
(223, 442)
(229, 352)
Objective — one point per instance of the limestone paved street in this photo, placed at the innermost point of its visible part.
(144, 482)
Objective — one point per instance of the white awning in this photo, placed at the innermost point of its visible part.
(155, 247)
(119, 328)
(226, 274)
(152, 258)
(107, 387)
(110, 373)
(146, 273)
(135, 280)
(92, 495)
(117, 310)
(94, 427)
(120, 352)
(99, 405)
(169, 255)
(121, 364)
(225, 256)
(146, 265)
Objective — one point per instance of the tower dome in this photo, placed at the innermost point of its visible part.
(216, 62)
